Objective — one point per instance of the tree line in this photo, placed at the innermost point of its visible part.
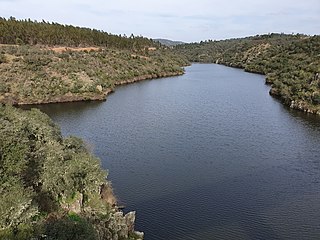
(13, 31)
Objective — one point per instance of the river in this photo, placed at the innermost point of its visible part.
(207, 155)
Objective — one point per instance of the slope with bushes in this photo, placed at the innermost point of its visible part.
(52, 186)
(38, 74)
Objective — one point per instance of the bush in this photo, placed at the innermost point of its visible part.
(316, 98)
(70, 228)
(3, 58)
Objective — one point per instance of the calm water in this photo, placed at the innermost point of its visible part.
(207, 155)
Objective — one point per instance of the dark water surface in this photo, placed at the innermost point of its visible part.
(207, 155)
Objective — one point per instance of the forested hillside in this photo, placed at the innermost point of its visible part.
(30, 32)
(291, 63)
(43, 62)
(52, 186)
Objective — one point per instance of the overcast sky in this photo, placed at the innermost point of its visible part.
(185, 20)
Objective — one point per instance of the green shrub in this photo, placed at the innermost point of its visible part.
(68, 228)
(3, 58)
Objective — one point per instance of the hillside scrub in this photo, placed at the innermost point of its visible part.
(52, 186)
(39, 74)
(291, 63)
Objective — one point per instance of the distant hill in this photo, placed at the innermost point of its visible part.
(168, 42)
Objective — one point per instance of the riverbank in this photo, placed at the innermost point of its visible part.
(99, 96)
(40, 74)
(53, 186)
(290, 63)
(276, 93)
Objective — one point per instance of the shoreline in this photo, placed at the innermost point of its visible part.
(99, 96)
(293, 104)
(102, 96)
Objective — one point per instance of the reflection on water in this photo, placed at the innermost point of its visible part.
(73, 109)
(207, 155)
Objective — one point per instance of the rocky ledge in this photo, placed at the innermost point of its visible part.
(295, 104)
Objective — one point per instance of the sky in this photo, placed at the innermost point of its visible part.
(183, 20)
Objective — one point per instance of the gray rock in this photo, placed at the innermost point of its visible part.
(130, 219)
(139, 235)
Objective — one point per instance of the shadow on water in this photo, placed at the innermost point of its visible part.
(311, 120)
(53, 109)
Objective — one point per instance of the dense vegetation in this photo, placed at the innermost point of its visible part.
(30, 32)
(42, 62)
(52, 186)
(291, 63)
